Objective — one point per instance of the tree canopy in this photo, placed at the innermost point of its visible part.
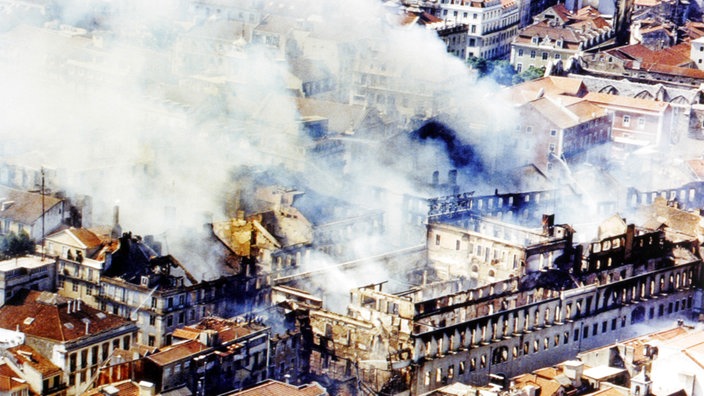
(502, 71)
(13, 245)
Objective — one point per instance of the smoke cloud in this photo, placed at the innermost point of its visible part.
(152, 105)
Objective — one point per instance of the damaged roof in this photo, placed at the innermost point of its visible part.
(25, 354)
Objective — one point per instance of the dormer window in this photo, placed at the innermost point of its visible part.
(559, 43)
(535, 40)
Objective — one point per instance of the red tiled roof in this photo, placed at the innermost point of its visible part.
(228, 330)
(45, 315)
(178, 352)
(551, 85)
(647, 3)
(561, 11)
(276, 388)
(625, 101)
(677, 55)
(186, 333)
(9, 378)
(125, 388)
(86, 236)
(28, 355)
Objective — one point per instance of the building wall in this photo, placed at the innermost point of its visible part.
(80, 359)
(632, 125)
(697, 53)
(79, 280)
(39, 278)
(159, 312)
(523, 56)
(553, 329)
(491, 27)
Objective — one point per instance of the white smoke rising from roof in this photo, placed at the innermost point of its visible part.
(140, 108)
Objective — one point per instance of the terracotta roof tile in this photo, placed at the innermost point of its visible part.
(624, 101)
(125, 388)
(276, 388)
(86, 236)
(178, 352)
(9, 379)
(27, 355)
(677, 55)
(44, 314)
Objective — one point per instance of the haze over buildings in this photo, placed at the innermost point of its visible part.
(299, 191)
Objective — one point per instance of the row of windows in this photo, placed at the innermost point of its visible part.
(627, 121)
(501, 354)
(528, 320)
(98, 354)
(544, 55)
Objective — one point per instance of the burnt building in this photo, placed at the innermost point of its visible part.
(158, 291)
(213, 356)
(560, 299)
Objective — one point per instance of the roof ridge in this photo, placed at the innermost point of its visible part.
(61, 326)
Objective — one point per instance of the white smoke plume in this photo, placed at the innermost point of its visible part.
(128, 104)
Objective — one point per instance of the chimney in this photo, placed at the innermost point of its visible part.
(68, 309)
(146, 388)
(116, 229)
(548, 224)
(78, 304)
(573, 370)
(630, 353)
(452, 177)
(629, 242)
(87, 322)
(209, 338)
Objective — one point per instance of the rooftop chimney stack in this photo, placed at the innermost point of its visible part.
(146, 388)
(116, 229)
(573, 370)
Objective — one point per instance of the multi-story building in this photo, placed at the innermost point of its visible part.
(447, 331)
(81, 258)
(28, 272)
(74, 337)
(158, 292)
(670, 67)
(10, 382)
(492, 24)
(555, 130)
(43, 376)
(686, 102)
(454, 35)
(659, 363)
(637, 122)
(558, 34)
(32, 213)
(215, 355)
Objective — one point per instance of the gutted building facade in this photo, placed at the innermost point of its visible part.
(561, 298)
